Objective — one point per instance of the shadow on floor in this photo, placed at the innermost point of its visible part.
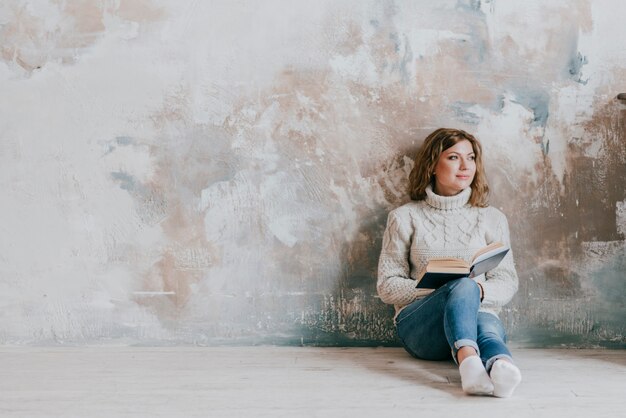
(395, 362)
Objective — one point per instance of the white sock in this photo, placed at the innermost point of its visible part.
(474, 377)
(505, 377)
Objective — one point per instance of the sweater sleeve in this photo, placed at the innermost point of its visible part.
(501, 283)
(394, 284)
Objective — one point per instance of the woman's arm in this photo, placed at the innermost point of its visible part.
(502, 282)
(394, 283)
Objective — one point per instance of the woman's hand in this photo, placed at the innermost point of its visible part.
(482, 291)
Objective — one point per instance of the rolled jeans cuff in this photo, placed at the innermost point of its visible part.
(464, 343)
(493, 359)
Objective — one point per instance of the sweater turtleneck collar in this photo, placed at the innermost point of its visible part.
(447, 202)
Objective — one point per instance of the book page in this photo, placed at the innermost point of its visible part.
(489, 251)
(443, 263)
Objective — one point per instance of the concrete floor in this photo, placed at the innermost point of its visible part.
(295, 382)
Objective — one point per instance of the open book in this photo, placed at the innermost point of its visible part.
(440, 271)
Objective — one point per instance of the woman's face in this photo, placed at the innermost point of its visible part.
(455, 169)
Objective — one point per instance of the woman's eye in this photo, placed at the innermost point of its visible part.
(452, 157)
(472, 158)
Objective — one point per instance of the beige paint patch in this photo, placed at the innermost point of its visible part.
(140, 11)
(35, 33)
(88, 20)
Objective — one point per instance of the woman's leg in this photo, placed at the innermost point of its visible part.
(437, 326)
(491, 339)
(461, 314)
(496, 356)
(420, 327)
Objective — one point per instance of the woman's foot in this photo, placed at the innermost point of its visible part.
(505, 377)
(474, 377)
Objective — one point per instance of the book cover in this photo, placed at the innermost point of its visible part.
(440, 271)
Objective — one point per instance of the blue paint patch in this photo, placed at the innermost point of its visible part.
(462, 113)
(538, 102)
(121, 141)
(124, 140)
(499, 103)
(471, 6)
(405, 61)
(393, 36)
(126, 181)
(575, 66)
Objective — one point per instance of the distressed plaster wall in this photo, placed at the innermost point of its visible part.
(220, 172)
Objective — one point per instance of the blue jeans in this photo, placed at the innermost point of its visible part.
(438, 325)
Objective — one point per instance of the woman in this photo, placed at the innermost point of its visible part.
(449, 217)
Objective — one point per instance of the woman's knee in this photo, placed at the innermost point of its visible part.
(466, 286)
(484, 337)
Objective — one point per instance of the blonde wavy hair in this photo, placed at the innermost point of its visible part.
(428, 155)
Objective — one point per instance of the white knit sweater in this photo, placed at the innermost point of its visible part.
(442, 226)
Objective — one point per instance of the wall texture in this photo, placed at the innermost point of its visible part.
(220, 172)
